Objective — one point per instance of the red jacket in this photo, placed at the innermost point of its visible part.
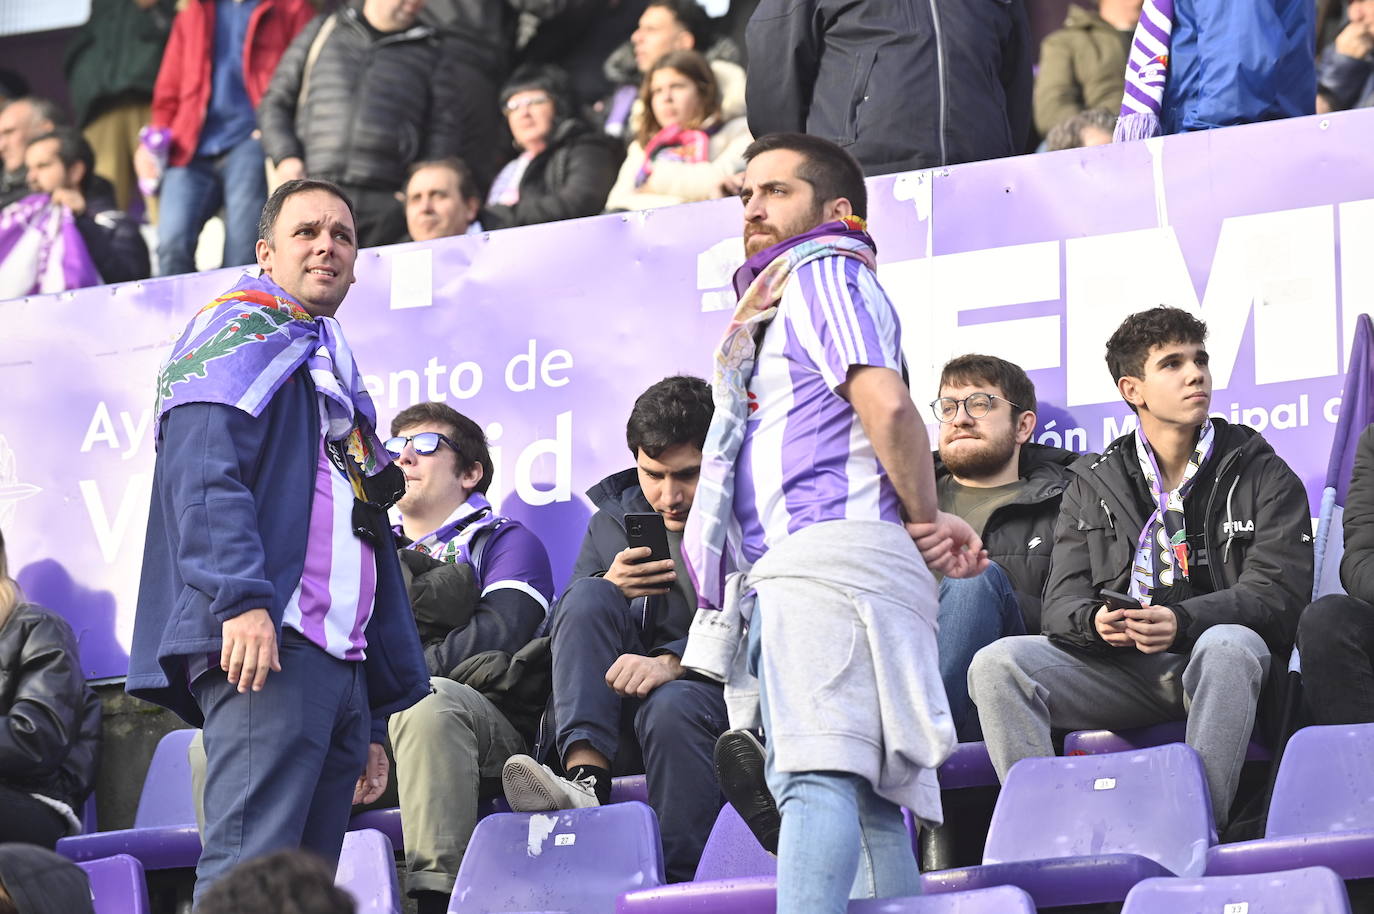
(181, 95)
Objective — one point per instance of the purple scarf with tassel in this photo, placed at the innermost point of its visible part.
(41, 250)
(1147, 72)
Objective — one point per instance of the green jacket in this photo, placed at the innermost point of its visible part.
(116, 54)
(1082, 65)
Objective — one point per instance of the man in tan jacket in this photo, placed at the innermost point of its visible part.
(1083, 64)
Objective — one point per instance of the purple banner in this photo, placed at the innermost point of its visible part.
(545, 335)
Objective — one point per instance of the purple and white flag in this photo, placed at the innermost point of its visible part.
(41, 250)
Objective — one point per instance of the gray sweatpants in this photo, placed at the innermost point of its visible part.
(1025, 685)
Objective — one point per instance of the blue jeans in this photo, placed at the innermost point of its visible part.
(839, 839)
(974, 612)
(191, 194)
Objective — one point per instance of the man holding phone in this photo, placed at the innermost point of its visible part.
(1182, 558)
(620, 700)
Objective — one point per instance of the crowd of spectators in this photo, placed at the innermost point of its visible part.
(208, 104)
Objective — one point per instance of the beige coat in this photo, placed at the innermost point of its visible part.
(1082, 65)
(671, 183)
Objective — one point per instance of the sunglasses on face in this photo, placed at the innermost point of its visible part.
(424, 443)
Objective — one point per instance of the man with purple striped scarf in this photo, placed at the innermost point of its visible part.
(816, 479)
(271, 608)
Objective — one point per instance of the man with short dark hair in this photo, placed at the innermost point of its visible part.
(62, 165)
(817, 483)
(272, 610)
(481, 588)
(20, 121)
(990, 473)
(620, 697)
(1206, 533)
(441, 199)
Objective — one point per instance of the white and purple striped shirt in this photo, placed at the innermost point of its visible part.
(806, 458)
(333, 602)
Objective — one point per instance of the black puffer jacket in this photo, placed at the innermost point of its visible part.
(901, 84)
(571, 178)
(1357, 559)
(375, 104)
(50, 732)
(1019, 536)
(1247, 511)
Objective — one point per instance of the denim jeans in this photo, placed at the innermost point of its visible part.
(194, 192)
(839, 839)
(974, 612)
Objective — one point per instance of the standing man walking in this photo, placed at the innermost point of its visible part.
(272, 610)
(816, 479)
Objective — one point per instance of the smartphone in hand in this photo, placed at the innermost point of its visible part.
(1115, 600)
(648, 530)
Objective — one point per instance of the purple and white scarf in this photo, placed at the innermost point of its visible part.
(1161, 557)
(452, 541)
(41, 250)
(1147, 72)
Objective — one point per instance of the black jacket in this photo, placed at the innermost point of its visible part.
(41, 882)
(115, 56)
(375, 105)
(901, 84)
(50, 737)
(668, 616)
(1019, 536)
(112, 238)
(1357, 561)
(1253, 523)
(571, 178)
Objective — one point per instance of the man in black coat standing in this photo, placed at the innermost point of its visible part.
(902, 85)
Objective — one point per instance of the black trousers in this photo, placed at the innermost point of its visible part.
(27, 820)
(1336, 640)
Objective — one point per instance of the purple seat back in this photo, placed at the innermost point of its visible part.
(732, 851)
(967, 766)
(167, 798)
(1096, 742)
(1325, 782)
(1003, 899)
(1152, 803)
(1314, 890)
(572, 860)
(117, 885)
(367, 871)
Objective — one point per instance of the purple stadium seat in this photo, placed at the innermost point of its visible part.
(1085, 829)
(1315, 890)
(758, 895)
(732, 851)
(1322, 811)
(1097, 742)
(967, 766)
(164, 835)
(117, 885)
(367, 871)
(388, 820)
(575, 861)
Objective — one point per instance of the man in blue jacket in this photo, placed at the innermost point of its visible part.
(272, 610)
(619, 691)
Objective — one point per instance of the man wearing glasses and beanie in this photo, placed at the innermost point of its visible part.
(1008, 489)
(481, 587)
(271, 609)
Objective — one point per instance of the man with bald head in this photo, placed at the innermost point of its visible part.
(21, 121)
(272, 611)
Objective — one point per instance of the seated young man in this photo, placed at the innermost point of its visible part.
(1008, 489)
(1336, 633)
(450, 747)
(1197, 521)
(620, 699)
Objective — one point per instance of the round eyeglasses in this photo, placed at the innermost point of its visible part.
(976, 406)
(423, 442)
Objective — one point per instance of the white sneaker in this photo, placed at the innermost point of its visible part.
(532, 787)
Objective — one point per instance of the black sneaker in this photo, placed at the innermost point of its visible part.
(739, 770)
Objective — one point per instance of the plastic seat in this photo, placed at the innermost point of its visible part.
(388, 819)
(117, 885)
(367, 871)
(1085, 829)
(732, 851)
(967, 766)
(1322, 810)
(164, 835)
(576, 861)
(758, 895)
(1097, 742)
(1314, 890)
